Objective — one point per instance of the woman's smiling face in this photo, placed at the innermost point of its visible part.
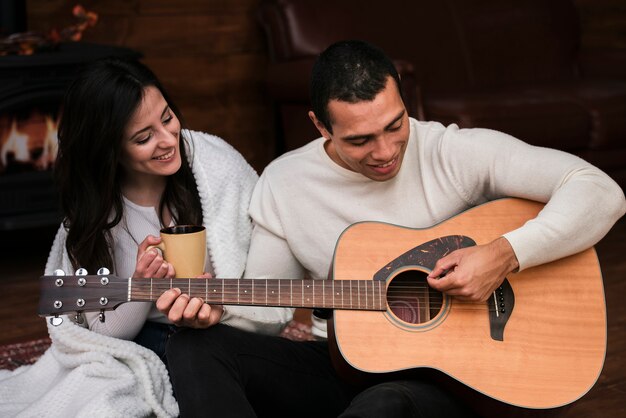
(151, 145)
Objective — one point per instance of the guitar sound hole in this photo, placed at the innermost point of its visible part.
(411, 299)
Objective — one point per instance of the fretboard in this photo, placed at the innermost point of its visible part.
(335, 294)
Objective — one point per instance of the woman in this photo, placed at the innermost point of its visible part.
(126, 169)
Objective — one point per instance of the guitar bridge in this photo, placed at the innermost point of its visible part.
(500, 307)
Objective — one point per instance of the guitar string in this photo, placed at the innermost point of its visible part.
(466, 306)
(435, 301)
(437, 306)
(235, 297)
(230, 289)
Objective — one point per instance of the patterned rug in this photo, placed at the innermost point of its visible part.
(13, 356)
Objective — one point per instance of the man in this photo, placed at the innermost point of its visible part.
(373, 162)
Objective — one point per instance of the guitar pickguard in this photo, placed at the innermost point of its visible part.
(425, 255)
(414, 303)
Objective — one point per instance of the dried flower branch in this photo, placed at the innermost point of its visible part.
(27, 43)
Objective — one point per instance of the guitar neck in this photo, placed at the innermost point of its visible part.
(332, 294)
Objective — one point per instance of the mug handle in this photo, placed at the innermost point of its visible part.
(160, 246)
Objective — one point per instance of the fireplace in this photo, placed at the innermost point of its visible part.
(31, 89)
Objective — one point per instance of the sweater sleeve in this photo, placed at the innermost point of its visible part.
(268, 254)
(582, 202)
(269, 257)
(580, 212)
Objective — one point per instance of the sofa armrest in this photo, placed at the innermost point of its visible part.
(603, 63)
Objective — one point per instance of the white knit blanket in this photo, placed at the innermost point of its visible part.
(85, 374)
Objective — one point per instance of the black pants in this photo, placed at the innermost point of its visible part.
(226, 372)
(154, 335)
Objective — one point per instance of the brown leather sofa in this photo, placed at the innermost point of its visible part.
(510, 65)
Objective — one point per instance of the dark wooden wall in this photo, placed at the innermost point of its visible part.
(211, 55)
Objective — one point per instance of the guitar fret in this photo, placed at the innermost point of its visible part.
(342, 292)
(351, 301)
(275, 293)
(373, 295)
(247, 291)
(374, 299)
(350, 293)
(378, 296)
(271, 296)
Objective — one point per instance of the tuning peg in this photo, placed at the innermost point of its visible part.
(59, 273)
(103, 272)
(81, 272)
(78, 318)
(56, 321)
(101, 315)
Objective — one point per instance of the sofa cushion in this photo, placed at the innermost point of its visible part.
(570, 115)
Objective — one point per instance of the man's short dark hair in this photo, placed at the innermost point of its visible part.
(349, 71)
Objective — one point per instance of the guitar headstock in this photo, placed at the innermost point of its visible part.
(61, 294)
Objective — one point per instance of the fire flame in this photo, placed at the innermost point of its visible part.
(16, 146)
(30, 147)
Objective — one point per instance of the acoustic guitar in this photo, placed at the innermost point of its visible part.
(538, 342)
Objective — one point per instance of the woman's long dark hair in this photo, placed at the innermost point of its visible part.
(96, 109)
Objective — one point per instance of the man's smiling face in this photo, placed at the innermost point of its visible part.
(369, 137)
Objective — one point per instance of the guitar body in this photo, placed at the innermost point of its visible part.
(553, 342)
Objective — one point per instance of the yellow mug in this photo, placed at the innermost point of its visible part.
(184, 247)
